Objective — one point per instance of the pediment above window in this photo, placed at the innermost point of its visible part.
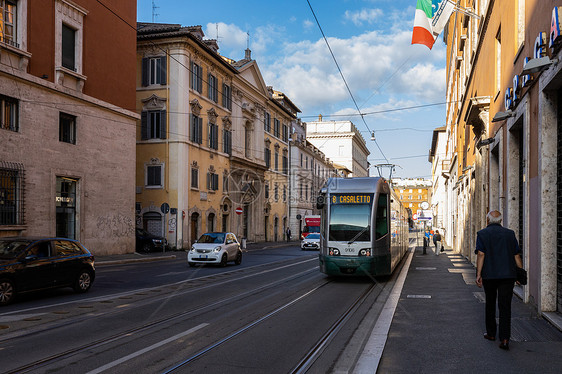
(226, 122)
(154, 103)
(212, 115)
(195, 107)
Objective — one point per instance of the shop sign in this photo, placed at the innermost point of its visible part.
(540, 45)
(555, 27)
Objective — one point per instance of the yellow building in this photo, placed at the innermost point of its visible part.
(184, 139)
(202, 139)
(414, 193)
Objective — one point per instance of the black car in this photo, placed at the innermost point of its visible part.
(147, 242)
(31, 264)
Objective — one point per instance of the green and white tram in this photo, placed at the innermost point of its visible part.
(364, 227)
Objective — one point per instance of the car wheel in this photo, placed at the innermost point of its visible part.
(7, 291)
(238, 259)
(224, 260)
(83, 281)
(192, 264)
(146, 248)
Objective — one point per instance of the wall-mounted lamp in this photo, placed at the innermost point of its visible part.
(500, 116)
(537, 65)
(484, 142)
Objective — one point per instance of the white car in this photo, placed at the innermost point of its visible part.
(215, 248)
(312, 241)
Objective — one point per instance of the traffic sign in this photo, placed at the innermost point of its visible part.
(165, 208)
(239, 210)
(415, 216)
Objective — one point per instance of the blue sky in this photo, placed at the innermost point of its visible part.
(371, 42)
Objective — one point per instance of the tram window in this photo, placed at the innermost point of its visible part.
(381, 228)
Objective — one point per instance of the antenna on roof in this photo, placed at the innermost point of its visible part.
(248, 40)
(154, 14)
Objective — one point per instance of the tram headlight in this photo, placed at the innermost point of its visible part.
(364, 252)
(333, 251)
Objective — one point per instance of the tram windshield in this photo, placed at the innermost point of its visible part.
(350, 218)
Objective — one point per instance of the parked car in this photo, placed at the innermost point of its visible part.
(147, 242)
(312, 241)
(215, 248)
(31, 264)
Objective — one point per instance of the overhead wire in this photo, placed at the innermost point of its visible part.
(343, 77)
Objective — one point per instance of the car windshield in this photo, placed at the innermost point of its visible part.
(313, 236)
(212, 237)
(12, 248)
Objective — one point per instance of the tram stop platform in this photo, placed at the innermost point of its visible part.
(438, 325)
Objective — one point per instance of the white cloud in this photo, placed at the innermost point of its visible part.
(363, 15)
(307, 24)
(231, 37)
(375, 65)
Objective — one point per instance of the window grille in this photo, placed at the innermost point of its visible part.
(11, 194)
(9, 113)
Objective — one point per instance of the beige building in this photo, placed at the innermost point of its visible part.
(309, 170)
(342, 143)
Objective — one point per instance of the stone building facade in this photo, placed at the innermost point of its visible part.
(67, 156)
(503, 126)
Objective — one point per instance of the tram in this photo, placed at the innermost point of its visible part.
(364, 227)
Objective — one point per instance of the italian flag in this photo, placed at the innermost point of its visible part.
(423, 33)
(431, 18)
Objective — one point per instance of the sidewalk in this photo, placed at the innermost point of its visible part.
(438, 326)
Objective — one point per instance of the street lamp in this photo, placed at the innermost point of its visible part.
(500, 116)
(537, 65)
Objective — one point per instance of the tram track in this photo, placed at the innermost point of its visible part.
(162, 321)
(173, 290)
(311, 355)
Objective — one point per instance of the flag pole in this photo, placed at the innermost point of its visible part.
(465, 11)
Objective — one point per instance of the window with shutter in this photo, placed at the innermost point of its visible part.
(68, 47)
(154, 176)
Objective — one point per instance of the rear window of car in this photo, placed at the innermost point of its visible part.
(65, 248)
(12, 248)
(313, 236)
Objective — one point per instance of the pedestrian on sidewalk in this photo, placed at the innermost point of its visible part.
(437, 242)
(498, 254)
(425, 241)
(288, 233)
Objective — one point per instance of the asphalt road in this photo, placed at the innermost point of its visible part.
(275, 313)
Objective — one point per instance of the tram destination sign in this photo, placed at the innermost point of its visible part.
(352, 198)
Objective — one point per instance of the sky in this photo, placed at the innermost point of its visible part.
(399, 88)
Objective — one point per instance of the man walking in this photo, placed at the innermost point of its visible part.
(498, 254)
(288, 234)
(437, 242)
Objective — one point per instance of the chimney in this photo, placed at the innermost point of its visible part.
(320, 118)
(248, 55)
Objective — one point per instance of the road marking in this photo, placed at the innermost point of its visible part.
(147, 349)
(418, 297)
(425, 268)
(369, 360)
(19, 317)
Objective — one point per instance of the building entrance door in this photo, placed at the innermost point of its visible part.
(66, 208)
